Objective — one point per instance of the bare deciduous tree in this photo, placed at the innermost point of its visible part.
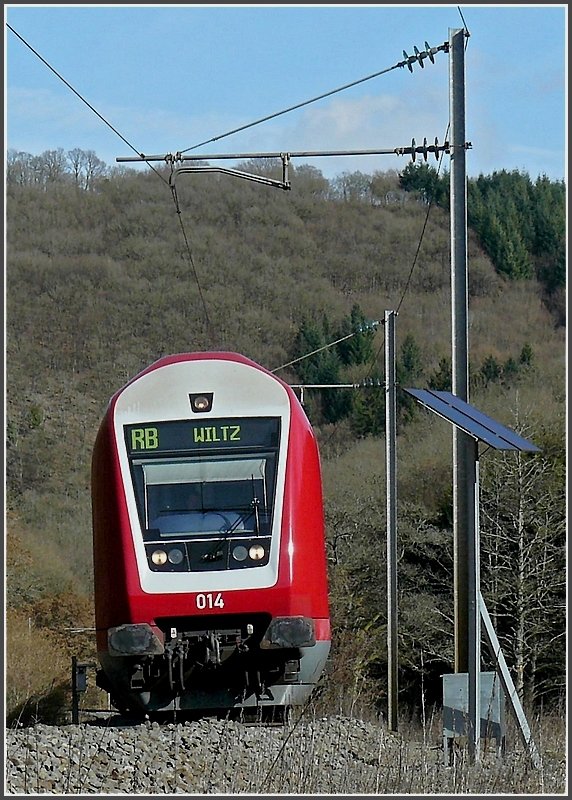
(523, 536)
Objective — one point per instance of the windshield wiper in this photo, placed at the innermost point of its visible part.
(215, 554)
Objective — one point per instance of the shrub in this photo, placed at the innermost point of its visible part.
(36, 671)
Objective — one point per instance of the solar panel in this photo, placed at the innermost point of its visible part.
(472, 421)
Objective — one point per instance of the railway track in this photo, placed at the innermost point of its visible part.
(110, 718)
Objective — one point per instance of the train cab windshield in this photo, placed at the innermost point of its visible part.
(210, 505)
(193, 498)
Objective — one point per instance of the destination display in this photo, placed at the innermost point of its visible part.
(188, 435)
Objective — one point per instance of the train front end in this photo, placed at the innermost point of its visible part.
(209, 547)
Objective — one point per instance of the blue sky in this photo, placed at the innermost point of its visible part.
(168, 77)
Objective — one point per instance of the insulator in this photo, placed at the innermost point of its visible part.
(413, 150)
(429, 53)
(419, 57)
(425, 149)
(406, 57)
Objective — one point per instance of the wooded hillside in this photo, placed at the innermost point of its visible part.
(101, 283)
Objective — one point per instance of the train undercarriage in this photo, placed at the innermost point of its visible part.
(235, 665)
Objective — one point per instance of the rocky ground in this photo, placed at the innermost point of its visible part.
(336, 755)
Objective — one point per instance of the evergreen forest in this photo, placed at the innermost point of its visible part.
(110, 268)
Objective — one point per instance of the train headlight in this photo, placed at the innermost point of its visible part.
(159, 557)
(256, 552)
(239, 553)
(175, 556)
(201, 403)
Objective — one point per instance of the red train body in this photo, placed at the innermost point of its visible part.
(209, 547)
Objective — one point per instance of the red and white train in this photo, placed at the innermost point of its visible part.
(209, 549)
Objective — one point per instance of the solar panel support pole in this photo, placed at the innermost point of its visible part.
(462, 443)
(508, 685)
(391, 500)
(473, 610)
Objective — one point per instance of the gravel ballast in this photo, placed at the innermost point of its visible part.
(321, 756)
(207, 757)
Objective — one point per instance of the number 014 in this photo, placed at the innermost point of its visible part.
(209, 600)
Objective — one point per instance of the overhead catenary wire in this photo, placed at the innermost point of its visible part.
(414, 264)
(378, 322)
(374, 323)
(191, 260)
(408, 61)
(415, 259)
(467, 33)
(141, 155)
(429, 207)
(366, 380)
(374, 361)
(71, 88)
(411, 271)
